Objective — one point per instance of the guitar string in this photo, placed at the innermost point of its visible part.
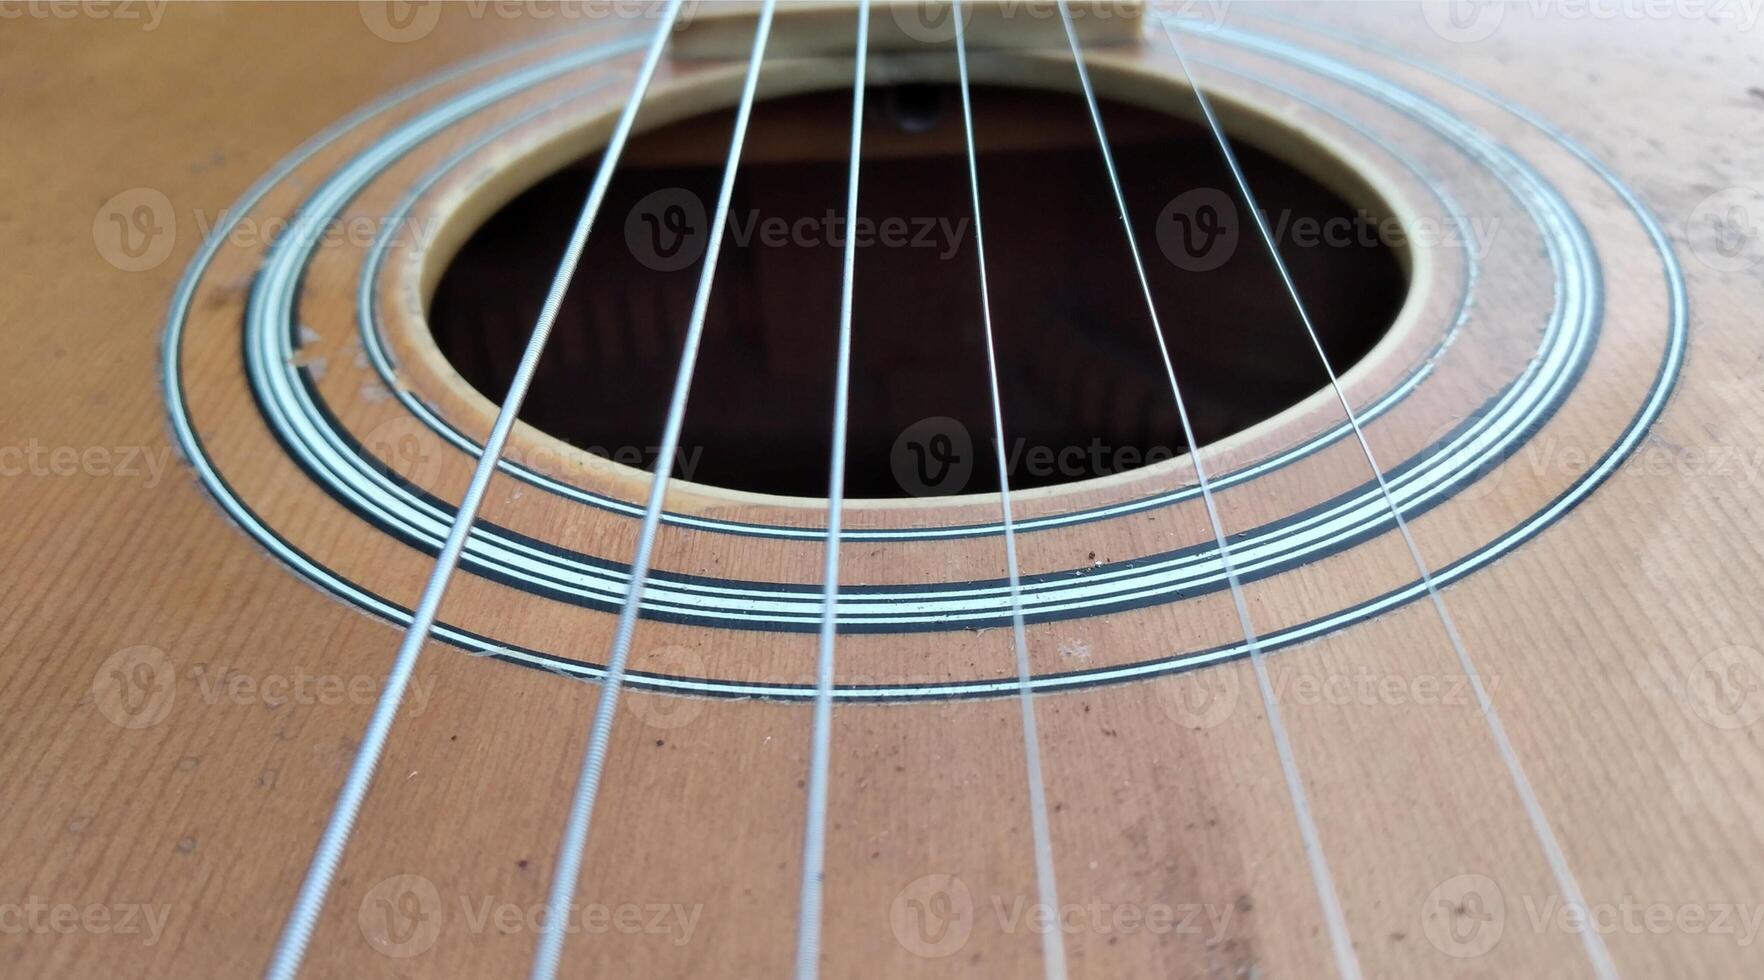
(309, 902)
(1594, 944)
(1053, 943)
(1347, 962)
(549, 952)
(814, 837)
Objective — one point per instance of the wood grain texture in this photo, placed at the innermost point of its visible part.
(725, 30)
(1622, 644)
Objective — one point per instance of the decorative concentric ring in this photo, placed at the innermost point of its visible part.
(295, 412)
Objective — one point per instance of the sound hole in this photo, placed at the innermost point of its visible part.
(1084, 390)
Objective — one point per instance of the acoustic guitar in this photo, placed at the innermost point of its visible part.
(1030, 487)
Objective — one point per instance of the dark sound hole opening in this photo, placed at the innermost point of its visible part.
(1083, 388)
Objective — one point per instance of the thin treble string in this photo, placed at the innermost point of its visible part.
(1053, 944)
(1347, 963)
(1594, 943)
(549, 952)
(309, 903)
(814, 837)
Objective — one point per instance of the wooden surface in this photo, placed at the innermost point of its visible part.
(1622, 643)
(725, 30)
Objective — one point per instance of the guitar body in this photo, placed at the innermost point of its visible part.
(233, 447)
